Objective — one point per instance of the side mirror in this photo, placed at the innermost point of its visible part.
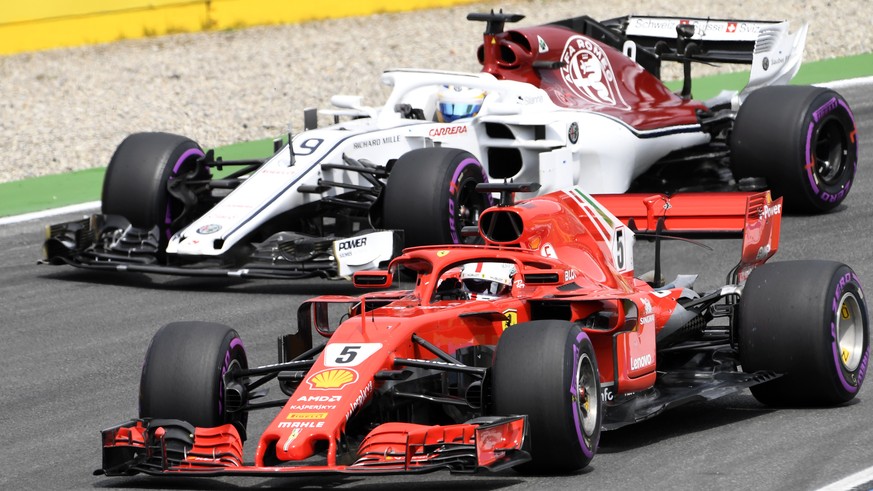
(372, 279)
(346, 101)
(325, 314)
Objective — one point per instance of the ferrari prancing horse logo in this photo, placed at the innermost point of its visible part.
(511, 318)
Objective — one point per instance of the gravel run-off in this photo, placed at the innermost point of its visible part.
(67, 109)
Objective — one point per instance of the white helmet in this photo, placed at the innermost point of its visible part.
(455, 102)
(488, 280)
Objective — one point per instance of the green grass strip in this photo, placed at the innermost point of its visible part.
(810, 73)
(57, 190)
(53, 191)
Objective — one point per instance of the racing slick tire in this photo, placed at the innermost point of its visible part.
(808, 321)
(431, 195)
(136, 181)
(183, 374)
(802, 140)
(547, 370)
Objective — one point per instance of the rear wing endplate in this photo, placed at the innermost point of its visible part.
(754, 217)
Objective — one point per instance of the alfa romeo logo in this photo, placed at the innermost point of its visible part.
(573, 132)
(209, 229)
(588, 73)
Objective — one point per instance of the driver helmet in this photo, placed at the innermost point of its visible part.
(455, 102)
(488, 280)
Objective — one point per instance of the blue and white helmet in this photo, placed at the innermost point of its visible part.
(455, 102)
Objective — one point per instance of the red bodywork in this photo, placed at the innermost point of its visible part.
(563, 246)
(587, 75)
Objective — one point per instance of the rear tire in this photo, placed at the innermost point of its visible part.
(183, 374)
(431, 196)
(780, 130)
(547, 370)
(808, 321)
(135, 185)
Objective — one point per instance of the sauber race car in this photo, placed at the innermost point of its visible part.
(575, 102)
(515, 353)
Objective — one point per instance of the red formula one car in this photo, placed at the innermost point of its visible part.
(516, 353)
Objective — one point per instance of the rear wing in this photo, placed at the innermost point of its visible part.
(774, 54)
(754, 217)
(717, 40)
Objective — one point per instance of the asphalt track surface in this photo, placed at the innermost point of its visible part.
(73, 342)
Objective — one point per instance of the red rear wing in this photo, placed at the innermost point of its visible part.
(753, 216)
(685, 214)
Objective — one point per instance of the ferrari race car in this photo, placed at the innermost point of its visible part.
(575, 102)
(515, 353)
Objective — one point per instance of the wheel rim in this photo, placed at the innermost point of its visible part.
(830, 152)
(174, 208)
(234, 359)
(588, 400)
(471, 205)
(850, 332)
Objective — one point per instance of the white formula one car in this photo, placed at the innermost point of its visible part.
(575, 102)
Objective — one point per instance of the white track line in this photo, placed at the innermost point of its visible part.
(849, 82)
(852, 482)
(93, 205)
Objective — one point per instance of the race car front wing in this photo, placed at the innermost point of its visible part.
(106, 243)
(174, 447)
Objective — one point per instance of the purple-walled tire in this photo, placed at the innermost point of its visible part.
(430, 195)
(808, 321)
(547, 370)
(183, 374)
(135, 185)
(802, 140)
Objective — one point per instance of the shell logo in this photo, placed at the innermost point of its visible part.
(332, 378)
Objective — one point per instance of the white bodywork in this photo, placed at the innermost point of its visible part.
(606, 156)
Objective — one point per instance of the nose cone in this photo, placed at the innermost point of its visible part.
(317, 411)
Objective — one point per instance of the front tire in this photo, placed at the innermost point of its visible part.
(183, 374)
(136, 182)
(802, 139)
(431, 195)
(547, 370)
(808, 321)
